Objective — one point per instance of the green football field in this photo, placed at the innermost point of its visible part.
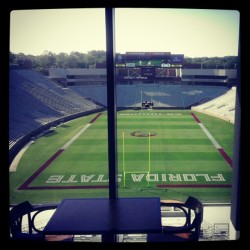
(163, 153)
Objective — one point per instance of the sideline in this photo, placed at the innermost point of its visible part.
(16, 160)
(214, 142)
(54, 156)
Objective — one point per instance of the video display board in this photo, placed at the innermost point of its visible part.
(177, 59)
(149, 59)
(148, 66)
(148, 55)
(120, 60)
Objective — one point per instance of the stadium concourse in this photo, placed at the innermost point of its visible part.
(56, 104)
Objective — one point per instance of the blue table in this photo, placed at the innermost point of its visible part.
(106, 217)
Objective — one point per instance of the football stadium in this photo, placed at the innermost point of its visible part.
(124, 125)
(168, 145)
(175, 131)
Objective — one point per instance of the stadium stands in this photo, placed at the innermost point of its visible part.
(222, 107)
(36, 103)
(163, 96)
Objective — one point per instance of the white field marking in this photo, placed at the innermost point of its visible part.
(75, 136)
(215, 143)
(16, 160)
(136, 172)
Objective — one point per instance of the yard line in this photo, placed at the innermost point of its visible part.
(211, 138)
(76, 136)
(80, 132)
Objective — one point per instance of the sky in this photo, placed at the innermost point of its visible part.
(192, 32)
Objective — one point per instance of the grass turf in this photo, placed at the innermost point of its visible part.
(180, 153)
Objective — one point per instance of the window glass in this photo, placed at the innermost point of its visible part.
(58, 116)
(176, 94)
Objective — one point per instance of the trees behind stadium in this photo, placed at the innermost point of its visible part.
(49, 59)
(75, 59)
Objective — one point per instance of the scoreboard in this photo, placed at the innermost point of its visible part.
(148, 55)
(153, 59)
(148, 66)
(177, 59)
(145, 73)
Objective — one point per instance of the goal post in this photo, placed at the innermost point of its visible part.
(123, 151)
(123, 159)
(149, 156)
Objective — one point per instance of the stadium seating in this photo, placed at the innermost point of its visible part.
(94, 92)
(197, 94)
(222, 107)
(36, 101)
(163, 96)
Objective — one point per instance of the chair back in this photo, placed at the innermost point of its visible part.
(34, 233)
(195, 205)
(16, 217)
(192, 211)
